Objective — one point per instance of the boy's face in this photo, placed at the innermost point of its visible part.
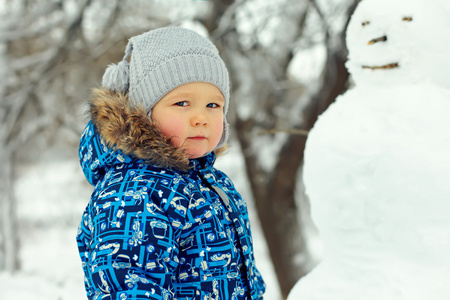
(191, 115)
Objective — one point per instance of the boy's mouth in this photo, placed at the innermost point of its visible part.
(197, 138)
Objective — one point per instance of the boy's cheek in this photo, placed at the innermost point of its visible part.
(176, 142)
(220, 129)
(173, 132)
(218, 133)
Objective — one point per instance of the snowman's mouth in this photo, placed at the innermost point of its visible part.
(384, 67)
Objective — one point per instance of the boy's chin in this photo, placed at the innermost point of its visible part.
(195, 155)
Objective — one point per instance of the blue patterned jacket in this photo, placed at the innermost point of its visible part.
(153, 230)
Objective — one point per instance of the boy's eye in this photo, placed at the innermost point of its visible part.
(213, 105)
(181, 103)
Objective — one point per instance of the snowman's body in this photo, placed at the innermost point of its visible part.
(377, 172)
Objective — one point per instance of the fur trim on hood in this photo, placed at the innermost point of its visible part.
(129, 129)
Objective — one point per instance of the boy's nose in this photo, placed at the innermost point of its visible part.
(199, 119)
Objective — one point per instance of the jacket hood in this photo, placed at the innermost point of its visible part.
(119, 133)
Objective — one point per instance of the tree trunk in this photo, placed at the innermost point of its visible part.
(276, 206)
(9, 240)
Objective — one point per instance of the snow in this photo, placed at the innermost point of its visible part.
(268, 147)
(52, 194)
(310, 62)
(377, 168)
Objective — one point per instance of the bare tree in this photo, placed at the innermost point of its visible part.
(23, 111)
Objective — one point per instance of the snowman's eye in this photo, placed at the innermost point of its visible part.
(365, 23)
(407, 19)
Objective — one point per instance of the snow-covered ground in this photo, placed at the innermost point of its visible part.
(52, 194)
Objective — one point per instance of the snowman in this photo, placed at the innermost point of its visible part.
(377, 162)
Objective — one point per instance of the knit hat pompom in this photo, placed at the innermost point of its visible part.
(116, 77)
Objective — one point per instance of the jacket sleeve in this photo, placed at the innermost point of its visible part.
(133, 251)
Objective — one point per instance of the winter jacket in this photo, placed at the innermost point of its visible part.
(158, 226)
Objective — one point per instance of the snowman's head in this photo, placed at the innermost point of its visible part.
(399, 41)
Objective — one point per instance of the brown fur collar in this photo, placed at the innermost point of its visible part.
(130, 130)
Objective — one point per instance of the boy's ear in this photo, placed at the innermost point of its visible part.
(221, 151)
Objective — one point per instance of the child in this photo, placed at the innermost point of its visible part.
(162, 222)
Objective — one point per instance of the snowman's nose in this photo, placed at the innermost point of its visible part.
(379, 39)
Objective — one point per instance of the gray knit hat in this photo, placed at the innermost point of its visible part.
(163, 59)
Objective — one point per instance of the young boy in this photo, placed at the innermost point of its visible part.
(162, 222)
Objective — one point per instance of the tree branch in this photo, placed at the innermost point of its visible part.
(29, 85)
(288, 131)
(17, 24)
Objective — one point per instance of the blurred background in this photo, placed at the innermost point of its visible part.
(286, 60)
